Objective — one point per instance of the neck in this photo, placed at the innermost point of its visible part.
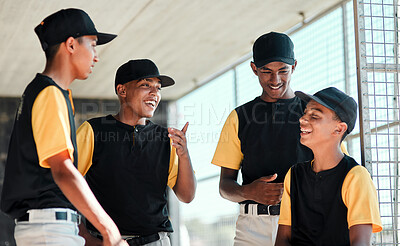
(59, 69)
(326, 157)
(129, 118)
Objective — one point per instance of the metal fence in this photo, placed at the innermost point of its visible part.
(377, 47)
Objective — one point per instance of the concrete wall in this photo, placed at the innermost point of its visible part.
(84, 109)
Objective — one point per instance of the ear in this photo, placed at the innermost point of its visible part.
(70, 44)
(294, 66)
(340, 128)
(121, 90)
(254, 68)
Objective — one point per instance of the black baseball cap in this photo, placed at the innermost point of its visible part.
(65, 23)
(272, 47)
(343, 105)
(140, 69)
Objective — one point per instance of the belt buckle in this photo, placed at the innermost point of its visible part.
(78, 218)
(127, 238)
(268, 207)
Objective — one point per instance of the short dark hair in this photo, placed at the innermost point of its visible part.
(336, 117)
(52, 50)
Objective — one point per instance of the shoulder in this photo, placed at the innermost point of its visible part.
(98, 121)
(351, 163)
(358, 173)
(39, 83)
(357, 176)
(248, 105)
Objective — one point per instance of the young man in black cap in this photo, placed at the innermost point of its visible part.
(330, 200)
(42, 186)
(129, 161)
(261, 138)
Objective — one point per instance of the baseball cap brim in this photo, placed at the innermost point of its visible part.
(165, 80)
(103, 38)
(289, 61)
(306, 98)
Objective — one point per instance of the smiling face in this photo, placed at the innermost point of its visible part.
(140, 97)
(274, 78)
(319, 126)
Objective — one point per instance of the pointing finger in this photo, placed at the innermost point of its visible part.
(185, 127)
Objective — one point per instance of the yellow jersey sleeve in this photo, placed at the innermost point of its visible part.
(285, 217)
(228, 152)
(360, 197)
(173, 167)
(50, 125)
(85, 145)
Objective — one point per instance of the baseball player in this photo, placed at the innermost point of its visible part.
(129, 161)
(262, 139)
(42, 187)
(330, 200)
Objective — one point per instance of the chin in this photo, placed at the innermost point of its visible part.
(303, 142)
(83, 77)
(149, 115)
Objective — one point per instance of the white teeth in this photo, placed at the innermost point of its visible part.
(152, 103)
(275, 87)
(305, 131)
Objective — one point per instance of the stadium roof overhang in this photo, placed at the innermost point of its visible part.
(188, 40)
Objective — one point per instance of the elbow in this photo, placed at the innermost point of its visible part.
(187, 199)
(221, 192)
(187, 195)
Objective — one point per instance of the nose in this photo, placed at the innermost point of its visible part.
(274, 77)
(96, 57)
(154, 90)
(303, 119)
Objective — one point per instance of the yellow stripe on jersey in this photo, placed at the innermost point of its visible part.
(285, 217)
(228, 152)
(360, 197)
(50, 125)
(173, 167)
(85, 143)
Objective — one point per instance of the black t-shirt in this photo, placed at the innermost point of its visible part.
(269, 134)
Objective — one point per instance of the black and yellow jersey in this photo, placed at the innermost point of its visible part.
(128, 169)
(44, 126)
(321, 207)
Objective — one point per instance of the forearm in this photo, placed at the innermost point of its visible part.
(232, 191)
(283, 236)
(185, 187)
(360, 235)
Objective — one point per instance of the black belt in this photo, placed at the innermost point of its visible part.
(142, 240)
(58, 216)
(265, 209)
(134, 240)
